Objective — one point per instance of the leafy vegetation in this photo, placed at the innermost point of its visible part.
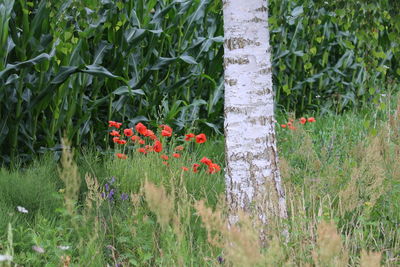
(67, 66)
(341, 175)
(332, 56)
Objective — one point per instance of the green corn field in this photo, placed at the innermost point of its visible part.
(67, 67)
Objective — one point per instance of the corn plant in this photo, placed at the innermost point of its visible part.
(71, 66)
(333, 56)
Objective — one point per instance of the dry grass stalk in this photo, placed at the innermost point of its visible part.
(284, 168)
(394, 121)
(366, 183)
(65, 260)
(275, 254)
(306, 151)
(70, 176)
(329, 250)
(159, 202)
(93, 195)
(183, 207)
(394, 158)
(371, 259)
(240, 242)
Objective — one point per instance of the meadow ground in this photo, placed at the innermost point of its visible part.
(341, 175)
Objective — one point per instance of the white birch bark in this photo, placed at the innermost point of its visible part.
(253, 180)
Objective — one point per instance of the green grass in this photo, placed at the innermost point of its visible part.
(342, 169)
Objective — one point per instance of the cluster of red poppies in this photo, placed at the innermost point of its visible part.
(302, 120)
(212, 167)
(143, 134)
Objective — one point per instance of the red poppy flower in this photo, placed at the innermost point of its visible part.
(114, 124)
(165, 163)
(115, 139)
(206, 161)
(142, 142)
(195, 166)
(157, 146)
(311, 119)
(289, 124)
(153, 137)
(148, 148)
(166, 133)
(185, 168)
(114, 133)
(121, 142)
(142, 150)
(135, 138)
(292, 128)
(179, 148)
(176, 155)
(217, 167)
(128, 132)
(283, 125)
(213, 168)
(164, 157)
(148, 133)
(189, 136)
(140, 128)
(303, 120)
(121, 156)
(167, 128)
(201, 138)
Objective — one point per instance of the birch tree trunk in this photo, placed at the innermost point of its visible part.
(253, 180)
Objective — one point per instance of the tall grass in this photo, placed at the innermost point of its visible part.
(341, 177)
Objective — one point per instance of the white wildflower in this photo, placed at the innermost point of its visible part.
(5, 258)
(38, 249)
(22, 209)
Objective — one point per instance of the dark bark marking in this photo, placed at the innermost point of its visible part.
(231, 82)
(262, 9)
(257, 20)
(238, 42)
(232, 109)
(261, 120)
(265, 71)
(240, 60)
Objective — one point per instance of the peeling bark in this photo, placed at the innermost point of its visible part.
(253, 181)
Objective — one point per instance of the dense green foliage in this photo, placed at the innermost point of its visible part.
(66, 67)
(73, 65)
(334, 55)
(342, 168)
